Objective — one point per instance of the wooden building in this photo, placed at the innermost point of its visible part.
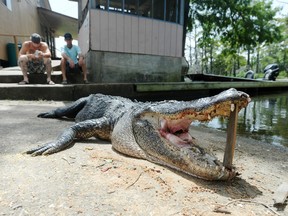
(132, 40)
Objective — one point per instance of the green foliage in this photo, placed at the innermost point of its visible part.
(232, 27)
(241, 74)
(241, 23)
(282, 75)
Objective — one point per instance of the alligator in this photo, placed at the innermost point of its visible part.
(154, 131)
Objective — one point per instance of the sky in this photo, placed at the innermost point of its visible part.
(68, 8)
(283, 4)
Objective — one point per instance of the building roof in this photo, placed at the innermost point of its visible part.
(58, 23)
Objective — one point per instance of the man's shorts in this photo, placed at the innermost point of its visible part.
(36, 66)
(76, 69)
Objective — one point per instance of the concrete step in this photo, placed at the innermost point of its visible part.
(14, 75)
(59, 92)
(39, 90)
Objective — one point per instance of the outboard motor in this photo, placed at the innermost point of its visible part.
(249, 74)
(271, 72)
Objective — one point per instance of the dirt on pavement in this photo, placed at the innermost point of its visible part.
(92, 179)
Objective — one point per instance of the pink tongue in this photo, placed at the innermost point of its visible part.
(186, 136)
(182, 139)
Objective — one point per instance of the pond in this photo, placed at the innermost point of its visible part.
(264, 119)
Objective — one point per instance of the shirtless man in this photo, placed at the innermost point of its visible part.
(34, 57)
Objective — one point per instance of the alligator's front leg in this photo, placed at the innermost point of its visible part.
(64, 140)
(96, 127)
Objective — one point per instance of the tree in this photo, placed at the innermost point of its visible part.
(240, 25)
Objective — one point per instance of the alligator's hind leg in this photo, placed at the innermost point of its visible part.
(82, 130)
(69, 111)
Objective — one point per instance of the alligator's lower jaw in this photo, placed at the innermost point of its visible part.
(204, 165)
(225, 176)
(199, 162)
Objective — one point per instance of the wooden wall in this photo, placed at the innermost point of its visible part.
(117, 32)
(21, 20)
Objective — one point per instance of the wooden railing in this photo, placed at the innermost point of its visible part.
(15, 38)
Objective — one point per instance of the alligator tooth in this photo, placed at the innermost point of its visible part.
(232, 107)
(163, 123)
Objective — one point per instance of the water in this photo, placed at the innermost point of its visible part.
(264, 119)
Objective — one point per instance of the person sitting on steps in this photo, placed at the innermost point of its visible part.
(72, 59)
(35, 57)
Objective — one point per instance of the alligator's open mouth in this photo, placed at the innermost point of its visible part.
(177, 132)
(166, 139)
(174, 128)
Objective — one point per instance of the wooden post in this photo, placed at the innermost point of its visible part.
(231, 137)
(16, 46)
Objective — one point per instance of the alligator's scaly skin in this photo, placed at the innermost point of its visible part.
(157, 132)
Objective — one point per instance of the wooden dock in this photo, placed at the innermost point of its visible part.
(37, 89)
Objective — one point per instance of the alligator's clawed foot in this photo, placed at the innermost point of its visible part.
(42, 150)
